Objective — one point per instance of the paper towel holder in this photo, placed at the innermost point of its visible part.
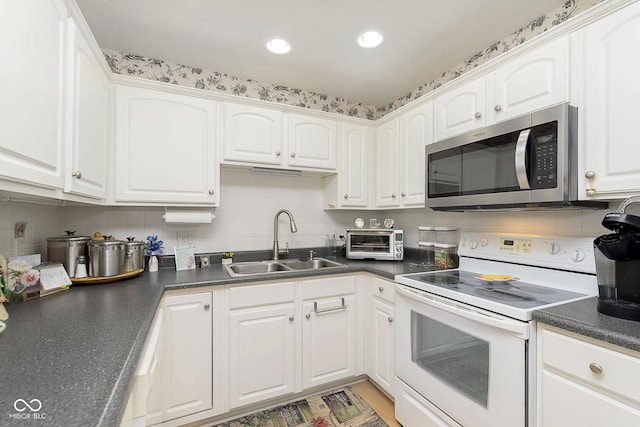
(188, 216)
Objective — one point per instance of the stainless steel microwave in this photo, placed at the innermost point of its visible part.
(375, 243)
(526, 162)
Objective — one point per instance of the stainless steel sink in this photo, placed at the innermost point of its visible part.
(280, 266)
(310, 264)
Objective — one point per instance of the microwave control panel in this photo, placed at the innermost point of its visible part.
(544, 144)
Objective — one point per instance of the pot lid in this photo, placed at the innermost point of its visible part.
(69, 237)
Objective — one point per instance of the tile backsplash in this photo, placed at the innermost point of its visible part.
(245, 219)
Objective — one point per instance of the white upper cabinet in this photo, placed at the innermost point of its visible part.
(312, 142)
(259, 136)
(537, 79)
(350, 187)
(461, 109)
(387, 161)
(608, 114)
(32, 83)
(530, 82)
(416, 131)
(164, 148)
(86, 166)
(252, 134)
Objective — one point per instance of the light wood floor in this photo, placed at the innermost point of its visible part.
(378, 401)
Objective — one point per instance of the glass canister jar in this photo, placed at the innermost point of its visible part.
(446, 255)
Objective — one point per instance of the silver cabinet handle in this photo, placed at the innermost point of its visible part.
(207, 306)
(595, 368)
(278, 153)
(390, 319)
(327, 310)
(346, 196)
(497, 107)
(77, 174)
(478, 115)
(381, 289)
(291, 318)
(293, 154)
(211, 192)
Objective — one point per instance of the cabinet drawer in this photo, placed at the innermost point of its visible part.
(383, 289)
(328, 286)
(260, 294)
(599, 366)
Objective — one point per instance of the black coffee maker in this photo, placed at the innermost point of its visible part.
(617, 257)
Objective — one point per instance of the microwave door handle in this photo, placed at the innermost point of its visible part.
(520, 159)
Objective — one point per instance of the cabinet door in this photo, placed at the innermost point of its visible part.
(32, 111)
(261, 354)
(416, 131)
(165, 148)
(611, 91)
(329, 340)
(184, 385)
(252, 134)
(387, 161)
(354, 165)
(381, 353)
(565, 402)
(533, 81)
(86, 173)
(312, 142)
(461, 110)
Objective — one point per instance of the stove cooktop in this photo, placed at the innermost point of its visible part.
(514, 298)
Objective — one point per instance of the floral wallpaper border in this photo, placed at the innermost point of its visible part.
(183, 75)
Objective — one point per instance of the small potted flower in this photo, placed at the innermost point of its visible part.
(227, 257)
(153, 247)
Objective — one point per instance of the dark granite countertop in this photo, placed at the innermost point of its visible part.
(77, 351)
(582, 317)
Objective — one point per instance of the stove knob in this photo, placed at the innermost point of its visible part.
(577, 255)
(484, 241)
(553, 247)
(473, 244)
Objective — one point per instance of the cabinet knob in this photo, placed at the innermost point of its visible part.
(278, 153)
(393, 196)
(403, 194)
(211, 192)
(77, 174)
(346, 196)
(291, 318)
(293, 154)
(381, 289)
(595, 368)
(207, 306)
(308, 316)
(497, 107)
(478, 115)
(590, 175)
(390, 319)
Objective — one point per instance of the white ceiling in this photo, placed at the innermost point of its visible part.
(423, 38)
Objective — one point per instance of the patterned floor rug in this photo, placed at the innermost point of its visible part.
(342, 407)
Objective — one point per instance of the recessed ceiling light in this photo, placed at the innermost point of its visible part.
(370, 38)
(279, 46)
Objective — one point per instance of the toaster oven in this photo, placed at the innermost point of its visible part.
(375, 243)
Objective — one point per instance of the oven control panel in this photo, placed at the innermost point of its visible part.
(562, 252)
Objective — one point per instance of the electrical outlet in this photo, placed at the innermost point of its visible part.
(185, 239)
(19, 229)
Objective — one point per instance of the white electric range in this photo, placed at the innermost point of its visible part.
(465, 345)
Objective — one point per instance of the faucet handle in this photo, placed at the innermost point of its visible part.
(312, 254)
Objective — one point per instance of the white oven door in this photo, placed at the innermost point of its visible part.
(469, 363)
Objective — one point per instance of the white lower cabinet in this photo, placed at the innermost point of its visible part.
(330, 343)
(379, 333)
(185, 381)
(261, 342)
(585, 382)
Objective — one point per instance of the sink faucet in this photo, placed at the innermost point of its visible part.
(292, 224)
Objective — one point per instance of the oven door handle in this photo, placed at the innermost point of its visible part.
(515, 327)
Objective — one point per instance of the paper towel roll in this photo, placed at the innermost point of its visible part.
(188, 216)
